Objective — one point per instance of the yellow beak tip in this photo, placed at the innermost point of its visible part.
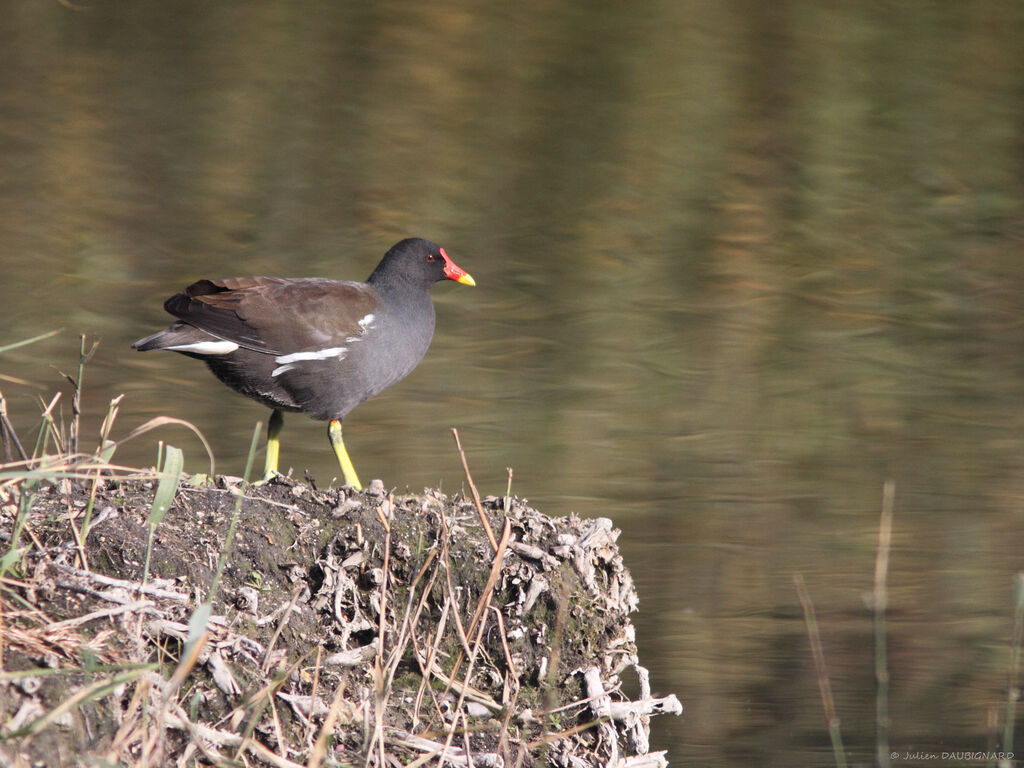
(467, 280)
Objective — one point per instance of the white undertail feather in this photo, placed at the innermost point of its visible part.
(219, 347)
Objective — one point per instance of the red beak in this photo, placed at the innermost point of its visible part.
(454, 272)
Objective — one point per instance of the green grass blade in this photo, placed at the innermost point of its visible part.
(170, 477)
(12, 556)
(197, 624)
(40, 337)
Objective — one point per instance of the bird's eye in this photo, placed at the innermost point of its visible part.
(431, 257)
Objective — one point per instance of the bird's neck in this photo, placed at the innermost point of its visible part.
(395, 286)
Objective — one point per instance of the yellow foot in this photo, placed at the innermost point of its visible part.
(268, 476)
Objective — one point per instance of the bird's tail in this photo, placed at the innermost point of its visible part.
(156, 341)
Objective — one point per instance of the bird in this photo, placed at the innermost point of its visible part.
(312, 345)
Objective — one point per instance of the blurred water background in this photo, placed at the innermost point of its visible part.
(738, 264)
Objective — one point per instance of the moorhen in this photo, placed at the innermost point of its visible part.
(310, 344)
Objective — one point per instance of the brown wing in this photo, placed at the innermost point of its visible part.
(276, 315)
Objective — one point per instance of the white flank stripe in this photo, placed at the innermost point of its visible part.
(206, 347)
(281, 369)
(316, 354)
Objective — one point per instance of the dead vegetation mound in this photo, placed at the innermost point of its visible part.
(284, 625)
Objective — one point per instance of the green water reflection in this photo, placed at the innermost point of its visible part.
(737, 263)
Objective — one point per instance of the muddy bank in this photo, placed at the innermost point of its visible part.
(343, 628)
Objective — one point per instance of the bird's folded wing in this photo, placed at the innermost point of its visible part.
(274, 315)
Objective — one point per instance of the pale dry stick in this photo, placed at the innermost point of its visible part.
(142, 606)
(199, 745)
(508, 492)
(432, 749)
(296, 594)
(818, 654)
(880, 604)
(107, 427)
(18, 584)
(548, 737)
(281, 742)
(313, 692)
(177, 719)
(414, 741)
(578, 703)
(320, 747)
(265, 754)
(475, 492)
(52, 431)
(106, 596)
(133, 586)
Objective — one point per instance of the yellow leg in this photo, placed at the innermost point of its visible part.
(273, 444)
(334, 433)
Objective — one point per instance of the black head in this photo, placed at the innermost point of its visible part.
(417, 262)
